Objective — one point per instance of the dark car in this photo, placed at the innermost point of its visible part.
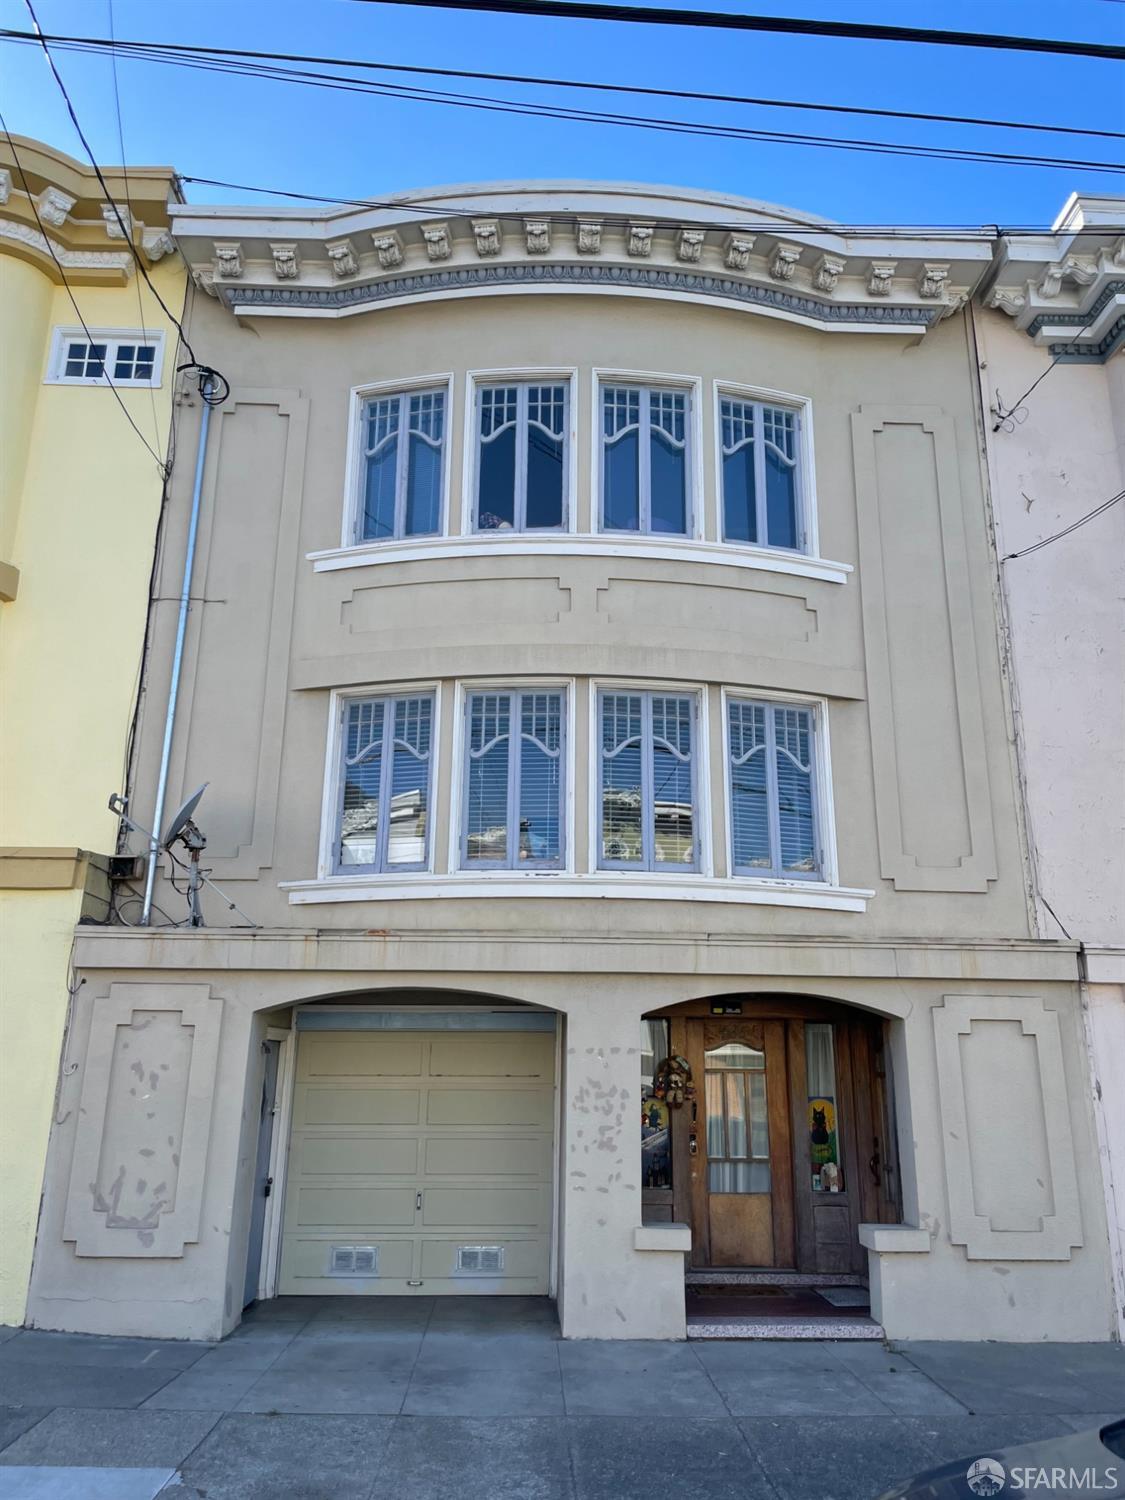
(1081, 1466)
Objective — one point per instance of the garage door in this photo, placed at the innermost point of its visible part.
(420, 1162)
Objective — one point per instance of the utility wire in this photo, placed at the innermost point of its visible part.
(952, 232)
(90, 340)
(1058, 535)
(172, 52)
(1006, 415)
(649, 15)
(492, 104)
(129, 206)
(214, 396)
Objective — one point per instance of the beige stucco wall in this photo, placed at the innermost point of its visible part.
(936, 837)
(1035, 1284)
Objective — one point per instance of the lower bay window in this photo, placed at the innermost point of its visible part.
(514, 769)
(385, 784)
(648, 818)
(511, 768)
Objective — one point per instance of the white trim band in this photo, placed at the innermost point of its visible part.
(523, 544)
(631, 886)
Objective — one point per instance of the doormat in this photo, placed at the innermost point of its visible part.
(845, 1296)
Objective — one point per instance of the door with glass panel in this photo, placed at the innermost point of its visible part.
(739, 1145)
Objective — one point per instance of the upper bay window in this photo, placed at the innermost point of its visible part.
(646, 441)
(513, 780)
(403, 465)
(385, 784)
(522, 459)
(759, 449)
(648, 816)
(771, 749)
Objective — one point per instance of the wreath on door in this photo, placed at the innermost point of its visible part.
(673, 1081)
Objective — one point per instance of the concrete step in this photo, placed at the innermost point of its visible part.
(774, 1278)
(785, 1328)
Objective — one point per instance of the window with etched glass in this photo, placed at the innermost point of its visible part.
(771, 749)
(513, 818)
(647, 785)
(403, 465)
(761, 474)
(521, 457)
(738, 1134)
(385, 784)
(645, 460)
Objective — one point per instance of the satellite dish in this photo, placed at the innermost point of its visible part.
(175, 827)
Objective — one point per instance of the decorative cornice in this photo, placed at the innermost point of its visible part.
(70, 260)
(228, 260)
(1078, 353)
(588, 237)
(54, 206)
(388, 249)
(436, 239)
(5, 184)
(342, 256)
(656, 280)
(286, 261)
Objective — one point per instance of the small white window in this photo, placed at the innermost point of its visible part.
(386, 756)
(120, 357)
(646, 460)
(403, 465)
(648, 817)
(774, 809)
(760, 450)
(521, 456)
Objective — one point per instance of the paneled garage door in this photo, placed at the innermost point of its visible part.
(420, 1162)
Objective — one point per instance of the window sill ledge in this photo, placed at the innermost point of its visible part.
(602, 886)
(571, 544)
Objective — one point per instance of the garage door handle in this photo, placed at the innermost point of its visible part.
(418, 1200)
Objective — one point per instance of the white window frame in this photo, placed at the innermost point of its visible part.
(512, 865)
(464, 689)
(339, 699)
(824, 812)
(688, 385)
(807, 527)
(521, 375)
(113, 338)
(354, 468)
(703, 866)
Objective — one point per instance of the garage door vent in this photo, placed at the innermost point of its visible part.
(480, 1258)
(353, 1260)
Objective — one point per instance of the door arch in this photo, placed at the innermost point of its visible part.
(787, 1143)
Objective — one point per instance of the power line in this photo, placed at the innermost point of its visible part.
(1058, 535)
(90, 340)
(649, 15)
(213, 396)
(173, 52)
(129, 206)
(491, 104)
(952, 232)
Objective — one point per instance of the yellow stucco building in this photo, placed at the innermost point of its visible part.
(80, 503)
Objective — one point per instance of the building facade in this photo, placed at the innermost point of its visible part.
(611, 791)
(1052, 325)
(80, 502)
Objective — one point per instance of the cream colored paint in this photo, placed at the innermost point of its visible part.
(608, 1287)
(80, 508)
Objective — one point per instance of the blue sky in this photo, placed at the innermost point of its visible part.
(308, 140)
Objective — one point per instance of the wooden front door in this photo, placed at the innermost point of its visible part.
(739, 1146)
(787, 1147)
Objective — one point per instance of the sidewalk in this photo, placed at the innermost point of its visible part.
(357, 1399)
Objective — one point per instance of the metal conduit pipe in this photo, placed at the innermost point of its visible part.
(205, 391)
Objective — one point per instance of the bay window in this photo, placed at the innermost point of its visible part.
(385, 784)
(403, 465)
(760, 450)
(647, 784)
(522, 457)
(513, 780)
(645, 460)
(771, 749)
